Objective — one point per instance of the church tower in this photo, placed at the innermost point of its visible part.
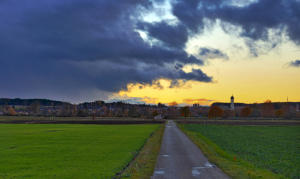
(232, 103)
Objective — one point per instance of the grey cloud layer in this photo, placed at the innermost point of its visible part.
(171, 35)
(211, 53)
(295, 63)
(251, 20)
(64, 46)
(50, 45)
(256, 18)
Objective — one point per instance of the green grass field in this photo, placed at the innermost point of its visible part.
(276, 148)
(68, 151)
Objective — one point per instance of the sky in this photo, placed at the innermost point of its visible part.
(150, 51)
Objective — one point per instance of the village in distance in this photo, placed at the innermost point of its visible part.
(45, 107)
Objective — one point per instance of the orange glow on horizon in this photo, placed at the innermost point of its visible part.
(249, 79)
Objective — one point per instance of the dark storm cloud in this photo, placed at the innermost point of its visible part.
(68, 46)
(256, 18)
(117, 76)
(195, 75)
(295, 63)
(61, 46)
(187, 12)
(211, 53)
(172, 35)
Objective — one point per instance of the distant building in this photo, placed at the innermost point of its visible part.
(232, 103)
(196, 105)
(297, 107)
(159, 117)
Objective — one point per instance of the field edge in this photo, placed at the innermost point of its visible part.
(142, 166)
(234, 167)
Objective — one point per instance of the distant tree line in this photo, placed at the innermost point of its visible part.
(28, 102)
(266, 109)
(44, 107)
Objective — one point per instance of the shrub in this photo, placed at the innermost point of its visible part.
(185, 111)
(215, 111)
(11, 111)
(246, 111)
(154, 113)
(279, 113)
(267, 109)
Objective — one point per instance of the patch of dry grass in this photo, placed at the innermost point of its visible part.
(143, 165)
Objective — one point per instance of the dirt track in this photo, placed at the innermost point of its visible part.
(36, 120)
(123, 122)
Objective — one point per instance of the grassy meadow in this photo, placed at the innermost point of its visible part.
(69, 151)
(247, 149)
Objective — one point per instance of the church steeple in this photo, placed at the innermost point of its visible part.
(232, 103)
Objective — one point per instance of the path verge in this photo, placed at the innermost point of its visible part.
(143, 165)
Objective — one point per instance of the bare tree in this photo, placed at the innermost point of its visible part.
(215, 111)
(35, 107)
(185, 111)
(267, 109)
(11, 111)
(246, 111)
